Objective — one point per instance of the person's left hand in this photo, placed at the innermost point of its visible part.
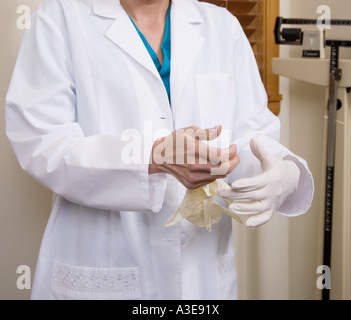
(261, 196)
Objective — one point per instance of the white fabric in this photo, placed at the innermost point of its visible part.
(83, 89)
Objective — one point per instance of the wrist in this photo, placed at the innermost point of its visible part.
(154, 167)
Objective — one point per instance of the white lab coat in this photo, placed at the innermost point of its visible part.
(84, 87)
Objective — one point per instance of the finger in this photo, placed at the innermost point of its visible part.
(255, 195)
(200, 152)
(190, 177)
(195, 152)
(218, 156)
(258, 150)
(267, 159)
(233, 163)
(233, 150)
(207, 154)
(204, 134)
(250, 207)
(227, 153)
(198, 183)
(252, 183)
(259, 219)
(214, 133)
(235, 195)
(225, 168)
(192, 186)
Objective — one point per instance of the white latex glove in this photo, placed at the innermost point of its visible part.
(261, 196)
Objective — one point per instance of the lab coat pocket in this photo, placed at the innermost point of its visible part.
(216, 98)
(226, 277)
(86, 283)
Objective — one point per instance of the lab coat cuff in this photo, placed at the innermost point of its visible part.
(157, 190)
(157, 182)
(300, 201)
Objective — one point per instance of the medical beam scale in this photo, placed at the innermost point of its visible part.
(295, 36)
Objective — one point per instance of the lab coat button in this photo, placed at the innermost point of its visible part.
(183, 238)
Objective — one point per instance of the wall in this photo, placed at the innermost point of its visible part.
(24, 204)
(306, 112)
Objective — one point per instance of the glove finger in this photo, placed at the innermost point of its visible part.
(267, 159)
(258, 150)
(227, 194)
(259, 219)
(254, 195)
(252, 183)
(250, 207)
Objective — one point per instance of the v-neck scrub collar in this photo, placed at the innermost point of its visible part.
(164, 69)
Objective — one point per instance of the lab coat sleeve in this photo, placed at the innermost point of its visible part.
(50, 144)
(254, 119)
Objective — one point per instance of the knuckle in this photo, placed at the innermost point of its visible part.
(191, 131)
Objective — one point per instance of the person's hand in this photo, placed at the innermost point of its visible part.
(191, 161)
(261, 196)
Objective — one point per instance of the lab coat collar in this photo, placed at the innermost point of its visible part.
(186, 42)
(106, 8)
(122, 32)
(186, 11)
(111, 8)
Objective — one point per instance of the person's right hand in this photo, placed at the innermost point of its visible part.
(191, 161)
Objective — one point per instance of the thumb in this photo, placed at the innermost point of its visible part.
(267, 159)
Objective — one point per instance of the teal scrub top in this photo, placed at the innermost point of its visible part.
(164, 69)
